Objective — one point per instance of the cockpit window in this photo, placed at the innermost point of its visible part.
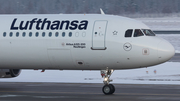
(128, 33)
(148, 32)
(138, 33)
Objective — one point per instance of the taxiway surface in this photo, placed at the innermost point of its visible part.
(86, 92)
(175, 58)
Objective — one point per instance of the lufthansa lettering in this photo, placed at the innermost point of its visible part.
(40, 24)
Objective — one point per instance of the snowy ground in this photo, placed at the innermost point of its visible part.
(166, 23)
(167, 73)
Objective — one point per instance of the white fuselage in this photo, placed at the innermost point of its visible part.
(97, 42)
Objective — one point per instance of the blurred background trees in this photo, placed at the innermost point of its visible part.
(116, 7)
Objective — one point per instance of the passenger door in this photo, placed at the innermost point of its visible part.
(98, 35)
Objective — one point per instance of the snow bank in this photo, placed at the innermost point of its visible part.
(167, 73)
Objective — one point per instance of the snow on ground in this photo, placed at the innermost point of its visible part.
(177, 51)
(167, 73)
(166, 23)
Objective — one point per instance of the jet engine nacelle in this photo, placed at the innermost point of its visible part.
(9, 73)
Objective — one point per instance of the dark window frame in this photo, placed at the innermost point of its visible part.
(11, 34)
(57, 34)
(50, 34)
(4, 34)
(24, 34)
(43, 34)
(128, 34)
(138, 33)
(70, 34)
(37, 34)
(63, 34)
(30, 34)
(17, 34)
(148, 32)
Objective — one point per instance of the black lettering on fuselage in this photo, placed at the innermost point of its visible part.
(23, 26)
(55, 25)
(62, 24)
(12, 25)
(46, 24)
(74, 25)
(32, 22)
(83, 25)
(38, 24)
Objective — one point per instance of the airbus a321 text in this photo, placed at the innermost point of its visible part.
(78, 42)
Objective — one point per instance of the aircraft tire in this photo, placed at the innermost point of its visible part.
(108, 89)
(113, 88)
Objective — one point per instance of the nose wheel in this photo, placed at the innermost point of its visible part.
(107, 89)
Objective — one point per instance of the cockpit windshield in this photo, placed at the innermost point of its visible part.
(138, 33)
(148, 32)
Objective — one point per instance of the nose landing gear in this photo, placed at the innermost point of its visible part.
(107, 88)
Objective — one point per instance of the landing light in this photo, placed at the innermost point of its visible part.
(105, 79)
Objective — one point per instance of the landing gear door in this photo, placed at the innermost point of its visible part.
(98, 35)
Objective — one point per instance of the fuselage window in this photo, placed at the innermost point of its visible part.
(37, 34)
(138, 33)
(129, 33)
(70, 34)
(57, 34)
(63, 34)
(148, 32)
(77, 34)
(4, 34)
(84, 34)
(17, 34)
(43, 34)
(24, 34)
(50, 34)
(30, 34)
(11, 34)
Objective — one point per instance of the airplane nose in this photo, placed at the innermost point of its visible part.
(165, 51)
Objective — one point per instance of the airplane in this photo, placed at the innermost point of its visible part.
(78, 42)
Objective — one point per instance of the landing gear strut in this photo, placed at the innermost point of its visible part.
(107, 88)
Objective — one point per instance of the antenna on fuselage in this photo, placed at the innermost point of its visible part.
(102, 12)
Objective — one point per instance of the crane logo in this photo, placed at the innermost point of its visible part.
(127, 46)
